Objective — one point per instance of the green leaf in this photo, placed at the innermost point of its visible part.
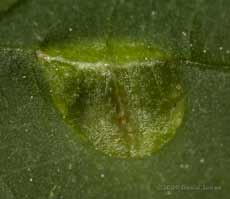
(41, 156)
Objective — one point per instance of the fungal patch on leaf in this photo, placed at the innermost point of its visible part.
(119, 96)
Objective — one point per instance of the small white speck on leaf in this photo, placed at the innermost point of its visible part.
(70, 166)
(66, 74)
(153, 13)
(168, 192)
(202, 160)
(184, 34)
(186, 166)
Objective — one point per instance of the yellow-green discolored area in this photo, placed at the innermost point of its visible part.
(119, 96)
(107, 51)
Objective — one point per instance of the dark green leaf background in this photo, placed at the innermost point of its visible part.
(40, 158)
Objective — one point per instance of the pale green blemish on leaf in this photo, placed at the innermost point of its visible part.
(122, 98)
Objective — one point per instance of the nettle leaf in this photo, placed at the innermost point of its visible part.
(114, 99)
(6, 4)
